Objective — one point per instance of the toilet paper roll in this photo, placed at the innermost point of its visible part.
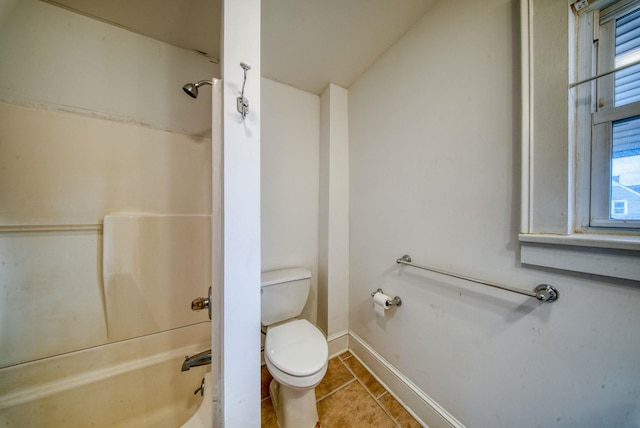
(380, 303)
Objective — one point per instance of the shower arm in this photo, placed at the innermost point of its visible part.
(203, 82)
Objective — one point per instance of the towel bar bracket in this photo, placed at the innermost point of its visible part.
(546, 292)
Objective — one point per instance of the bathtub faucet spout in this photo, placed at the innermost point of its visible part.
(196, 360)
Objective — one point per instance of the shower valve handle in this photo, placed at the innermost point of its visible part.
(200, 303)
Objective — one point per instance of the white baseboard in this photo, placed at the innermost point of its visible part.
(338, 343)
(420, 405)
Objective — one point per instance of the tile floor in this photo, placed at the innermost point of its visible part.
(348, 396)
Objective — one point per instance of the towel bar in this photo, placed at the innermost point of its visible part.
(542, 292)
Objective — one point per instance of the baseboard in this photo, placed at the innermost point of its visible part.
(338, 343)
(420, 405)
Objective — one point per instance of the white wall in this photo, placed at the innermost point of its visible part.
(333, 260)
(304, 190)
(289, 182)
(241, 217)
(434, 173)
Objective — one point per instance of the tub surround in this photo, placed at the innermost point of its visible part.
(61, 169)
(151, 265)
(93, 121)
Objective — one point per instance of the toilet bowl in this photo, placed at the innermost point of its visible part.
(295, 351)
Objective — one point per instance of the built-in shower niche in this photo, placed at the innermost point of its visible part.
(153, 266)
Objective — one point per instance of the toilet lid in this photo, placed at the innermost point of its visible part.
(297, 348)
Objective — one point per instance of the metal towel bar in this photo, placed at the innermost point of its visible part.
(542, 292)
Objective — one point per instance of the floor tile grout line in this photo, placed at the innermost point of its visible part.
(377, 399)
(384, 409)
(361, 382)
(337, 357)
(349, 382)
(355, 378)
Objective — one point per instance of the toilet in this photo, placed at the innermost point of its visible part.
(295, 351)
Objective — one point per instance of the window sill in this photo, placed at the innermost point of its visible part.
(614, 256)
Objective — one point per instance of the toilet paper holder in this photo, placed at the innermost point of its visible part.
(396, 301)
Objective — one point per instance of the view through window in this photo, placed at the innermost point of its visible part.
(625, 138)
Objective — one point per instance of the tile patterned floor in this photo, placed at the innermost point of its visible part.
(348, 396)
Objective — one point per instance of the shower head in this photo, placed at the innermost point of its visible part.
(191, 89)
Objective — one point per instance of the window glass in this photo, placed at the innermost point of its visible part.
(627, 51)
(625, 170)
(625, 136)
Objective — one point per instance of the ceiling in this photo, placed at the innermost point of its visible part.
(305, 43)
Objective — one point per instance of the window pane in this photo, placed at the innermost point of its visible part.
(625, 170)
(627, 82)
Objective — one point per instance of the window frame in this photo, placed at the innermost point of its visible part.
(600, 52)
(553, 183)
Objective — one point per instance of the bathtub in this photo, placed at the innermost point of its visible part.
(133, 383)
(203, 417)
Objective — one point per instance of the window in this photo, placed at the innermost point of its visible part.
(619, 208)
(609, 118)
(580, 128)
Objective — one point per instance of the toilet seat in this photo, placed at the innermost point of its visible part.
(296, 353)
(296, 382)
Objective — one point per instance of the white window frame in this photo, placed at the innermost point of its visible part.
(601, 49)
(553, 188)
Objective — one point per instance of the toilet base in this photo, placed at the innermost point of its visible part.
(295, 408)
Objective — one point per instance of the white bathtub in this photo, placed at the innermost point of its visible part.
(129, 384)
(203, 417)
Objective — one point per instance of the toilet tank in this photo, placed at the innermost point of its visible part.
(283, 294)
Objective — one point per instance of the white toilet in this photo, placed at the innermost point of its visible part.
(295, 350)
